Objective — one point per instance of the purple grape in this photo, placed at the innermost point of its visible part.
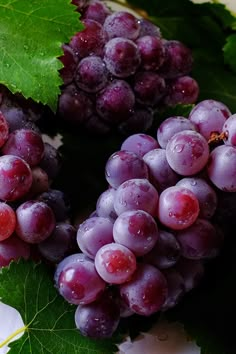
(187, 152)
(60, 244)
(166, 252)
(176, 288)
(209, 117)
(4, 129)
(205, 194)
(91, 74)
(15, 177)
(146, 292)
(40, 183)
(69, 60)
(17, 119)
(74, 105)
(170, 127)
(96, 126)
(7, 221)
(123, 165)
(94, 233)
(122, 57)
(12, 249)
(229, 131)
(199, 241)
(51, 161)
(57, 201)
(89, 41)
(192, 272)
(115, 263)
(178, 208)
(105, 204)
(115, 102)
(149, 87)
(35, 221)
(161, 174)
(152, 52)
(77, 280)
(147, 28)
(178, 60)
(81, 4)
(140, 120)
(27, 144)
(221, 168)
(96, 10)
(121, 24)
(136, 194)
(98, 319)
(137, 230)
(183, 90)
(139, 143)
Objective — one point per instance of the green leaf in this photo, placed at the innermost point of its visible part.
(49, 320)
(31, 35)
(230, 52)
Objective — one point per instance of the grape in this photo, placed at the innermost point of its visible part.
(40, 183)
(140, 120)
(51, 161)
(176, 288)
(161, 174)
(178, 208)
(165, 253)
(229, 131)
(187, 152)
(136, 194)
(147, 28)
(60, 244)
(146, 292)
(96, 10)
(122, 24)
(4, 129)
(183, 90)
(95, 126)
(115, 263)
(170, 127)
(99, 319)
(139, 143)
(7, 221)
(69, 60)
(94, 233)
(105, 204)
(15, 177)
(89, 41)
(199, 241)
(115, 102)
(149, 87)
(57, 201)
(35, 221)
(17, 119)
(205, 194)
(152, 52)
(137, 230)
(209, 117)
(178, 60)
(192, 272)
(122, 57)
(128, 164)
(221, 168)
(12, 249)
(26, 144)
(91, 74)
(77, 280)
(81, 4)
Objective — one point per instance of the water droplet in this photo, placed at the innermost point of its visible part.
(179, 147)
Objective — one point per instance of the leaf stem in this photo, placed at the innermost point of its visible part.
(11, 336)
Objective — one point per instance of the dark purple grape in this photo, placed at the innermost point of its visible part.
(122, 57)
(69, 60)
(183, 90)
(57, 201)
(96, 10)
(148, 28)
(96, 126)
(122, 24)
(12, 249)
(152, 52)
(4, 129)
(176, 288)
(51, 161)
(115, 102)
(140, 120)
(91, 74)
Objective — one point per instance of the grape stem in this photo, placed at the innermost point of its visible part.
(216, 137)
(11, 336)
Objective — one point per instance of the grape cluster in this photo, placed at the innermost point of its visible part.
(33, 215)
(119, 69)
(153, 229)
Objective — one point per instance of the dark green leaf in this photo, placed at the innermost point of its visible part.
(230, 51)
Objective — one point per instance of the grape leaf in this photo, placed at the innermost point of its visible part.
(49, 320)
(230, 51)
(31, 35)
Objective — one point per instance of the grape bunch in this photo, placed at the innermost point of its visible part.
(119, 69)
(34, 216)
(153, 229)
